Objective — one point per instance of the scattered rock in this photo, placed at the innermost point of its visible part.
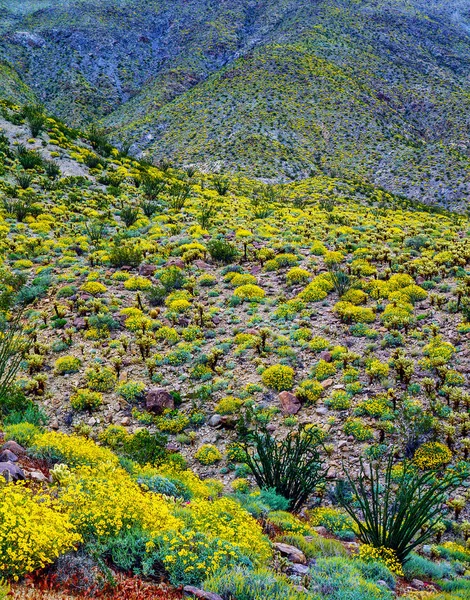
(8, 456)
(343, 445)
(172, 447)
(200, 264)
(322, 410)
(418, 584)
(326, 356)
(158, 399)
(37, 476)
(14, 447)
(321, 530)
(298, 569)
(291, 552)
(11, 472)
(290, 404)
(175, 262)
(326, 383)
(147, 270)
(125, 421)
(197, 593)
(215, 421)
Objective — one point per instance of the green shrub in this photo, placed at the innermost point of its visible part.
(222, 251)
(86, 400)
(131, 391)
(291, 466)
(22, 433)
(67, 364)
(244, 584)
(397, 511)
(100, 379)
(418, 567)
(315, 546)
(338, 579)
(121, 255)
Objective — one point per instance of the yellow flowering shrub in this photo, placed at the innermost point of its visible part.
(93, 287)
(208, 454)
(249, 292)
(226, 519)
(432, 455)
(278, 377)
(137, 283)
(71, 449)
(103, 501)
(33, 532)
(387, 556)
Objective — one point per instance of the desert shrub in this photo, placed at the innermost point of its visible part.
(334, 520)
(144, 447)
(249, 292)
(121, 255)
(222, 251)
(22, 433)
(297, 275)
(338, 579)
(314, 546)
(93, 287)
(323, 370)
(432, 455)
(309, 391)
(228, 405)
(131, 391)
(86, 400)
(72, 450)
(245, 584)
(138, 283)
(100, 379)
(391, 511)
(358, 429)
(208, 454)
(339, 400)
(278, 377)
(291, 466)
(166, 486)
(419, 567)
(67, 364)
(33, 531)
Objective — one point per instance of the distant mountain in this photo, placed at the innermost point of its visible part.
(279, 89)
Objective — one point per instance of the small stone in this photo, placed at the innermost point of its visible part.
(54, 424)
(326, 383)
(11, 472)
(326, 356)
(125, 421)
(189, 590)
(37, 476)
(342, 445)
(291, 552)
(321, 530)
(418, 584)
(322, 410)
(14, 447)
(8, 456)
(200, 264)
(172, 447)
(147, 270)
(298, 569)
(290, 404)
(157, 400)
(215, 421)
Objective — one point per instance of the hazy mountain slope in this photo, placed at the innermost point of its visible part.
(280, 89)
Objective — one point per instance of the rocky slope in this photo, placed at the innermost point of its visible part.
(283, 89)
